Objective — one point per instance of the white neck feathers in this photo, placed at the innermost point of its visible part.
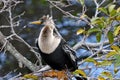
(47, 42)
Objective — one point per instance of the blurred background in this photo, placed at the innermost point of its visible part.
(34, 10)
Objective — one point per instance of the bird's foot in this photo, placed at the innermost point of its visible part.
(61, 75)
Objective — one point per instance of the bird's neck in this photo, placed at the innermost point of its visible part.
(48, 44)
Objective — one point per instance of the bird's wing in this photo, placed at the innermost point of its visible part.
(36, 43)
(71, 54)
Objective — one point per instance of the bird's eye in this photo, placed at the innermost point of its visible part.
(42, 20)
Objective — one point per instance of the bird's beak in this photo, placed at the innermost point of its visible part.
(36, 22)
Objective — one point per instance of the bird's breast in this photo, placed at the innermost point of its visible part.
(48, 45)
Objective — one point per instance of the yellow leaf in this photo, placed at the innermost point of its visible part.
(104, 63)
(101, 78)
(111, 8)
(111, 53)
(81, 72)
(114, 47)
(31, 76)
(80, 31)
(116, 70)
(82, 2)
(110, 37)
(118, 9)
(107, 74)
(92, 60)
(117, 31)
(118, 18)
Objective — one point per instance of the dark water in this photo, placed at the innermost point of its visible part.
(33, 11)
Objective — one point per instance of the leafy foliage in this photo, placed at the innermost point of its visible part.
(103, 26)
(103, 23)
(115, 54)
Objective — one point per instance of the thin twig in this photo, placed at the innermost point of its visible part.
(11, 20)
(64, 12)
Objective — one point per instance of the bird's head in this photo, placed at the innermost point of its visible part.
(49, 27)
(46, 21)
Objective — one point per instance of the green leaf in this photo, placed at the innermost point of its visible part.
(104, 10)
(80, 31)
(92, 30)
(116, 48)
(82, 2)
(118, 17)
(115, 53)
(96, 20)
(81, 72)
(110, 37)
(104, 63)
(116, 70)
(113, 13)
(111, 53)
(31, 76)
(101, 26)
(107, 74)
(98, 36)
(117, 61)
(101, 78)
(117, 31)
(111, 8)
(118, 10)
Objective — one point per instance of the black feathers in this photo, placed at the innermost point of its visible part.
(61, 58)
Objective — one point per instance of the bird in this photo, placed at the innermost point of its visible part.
(53, 49)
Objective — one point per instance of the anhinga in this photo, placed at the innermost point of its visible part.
(53, 49)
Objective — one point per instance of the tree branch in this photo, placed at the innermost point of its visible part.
(92, 45)
(9, 47)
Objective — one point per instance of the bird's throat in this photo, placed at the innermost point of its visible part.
(48, 44)
(46, 32)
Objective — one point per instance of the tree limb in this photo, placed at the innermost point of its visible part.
(9, 47)
(93, 45)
